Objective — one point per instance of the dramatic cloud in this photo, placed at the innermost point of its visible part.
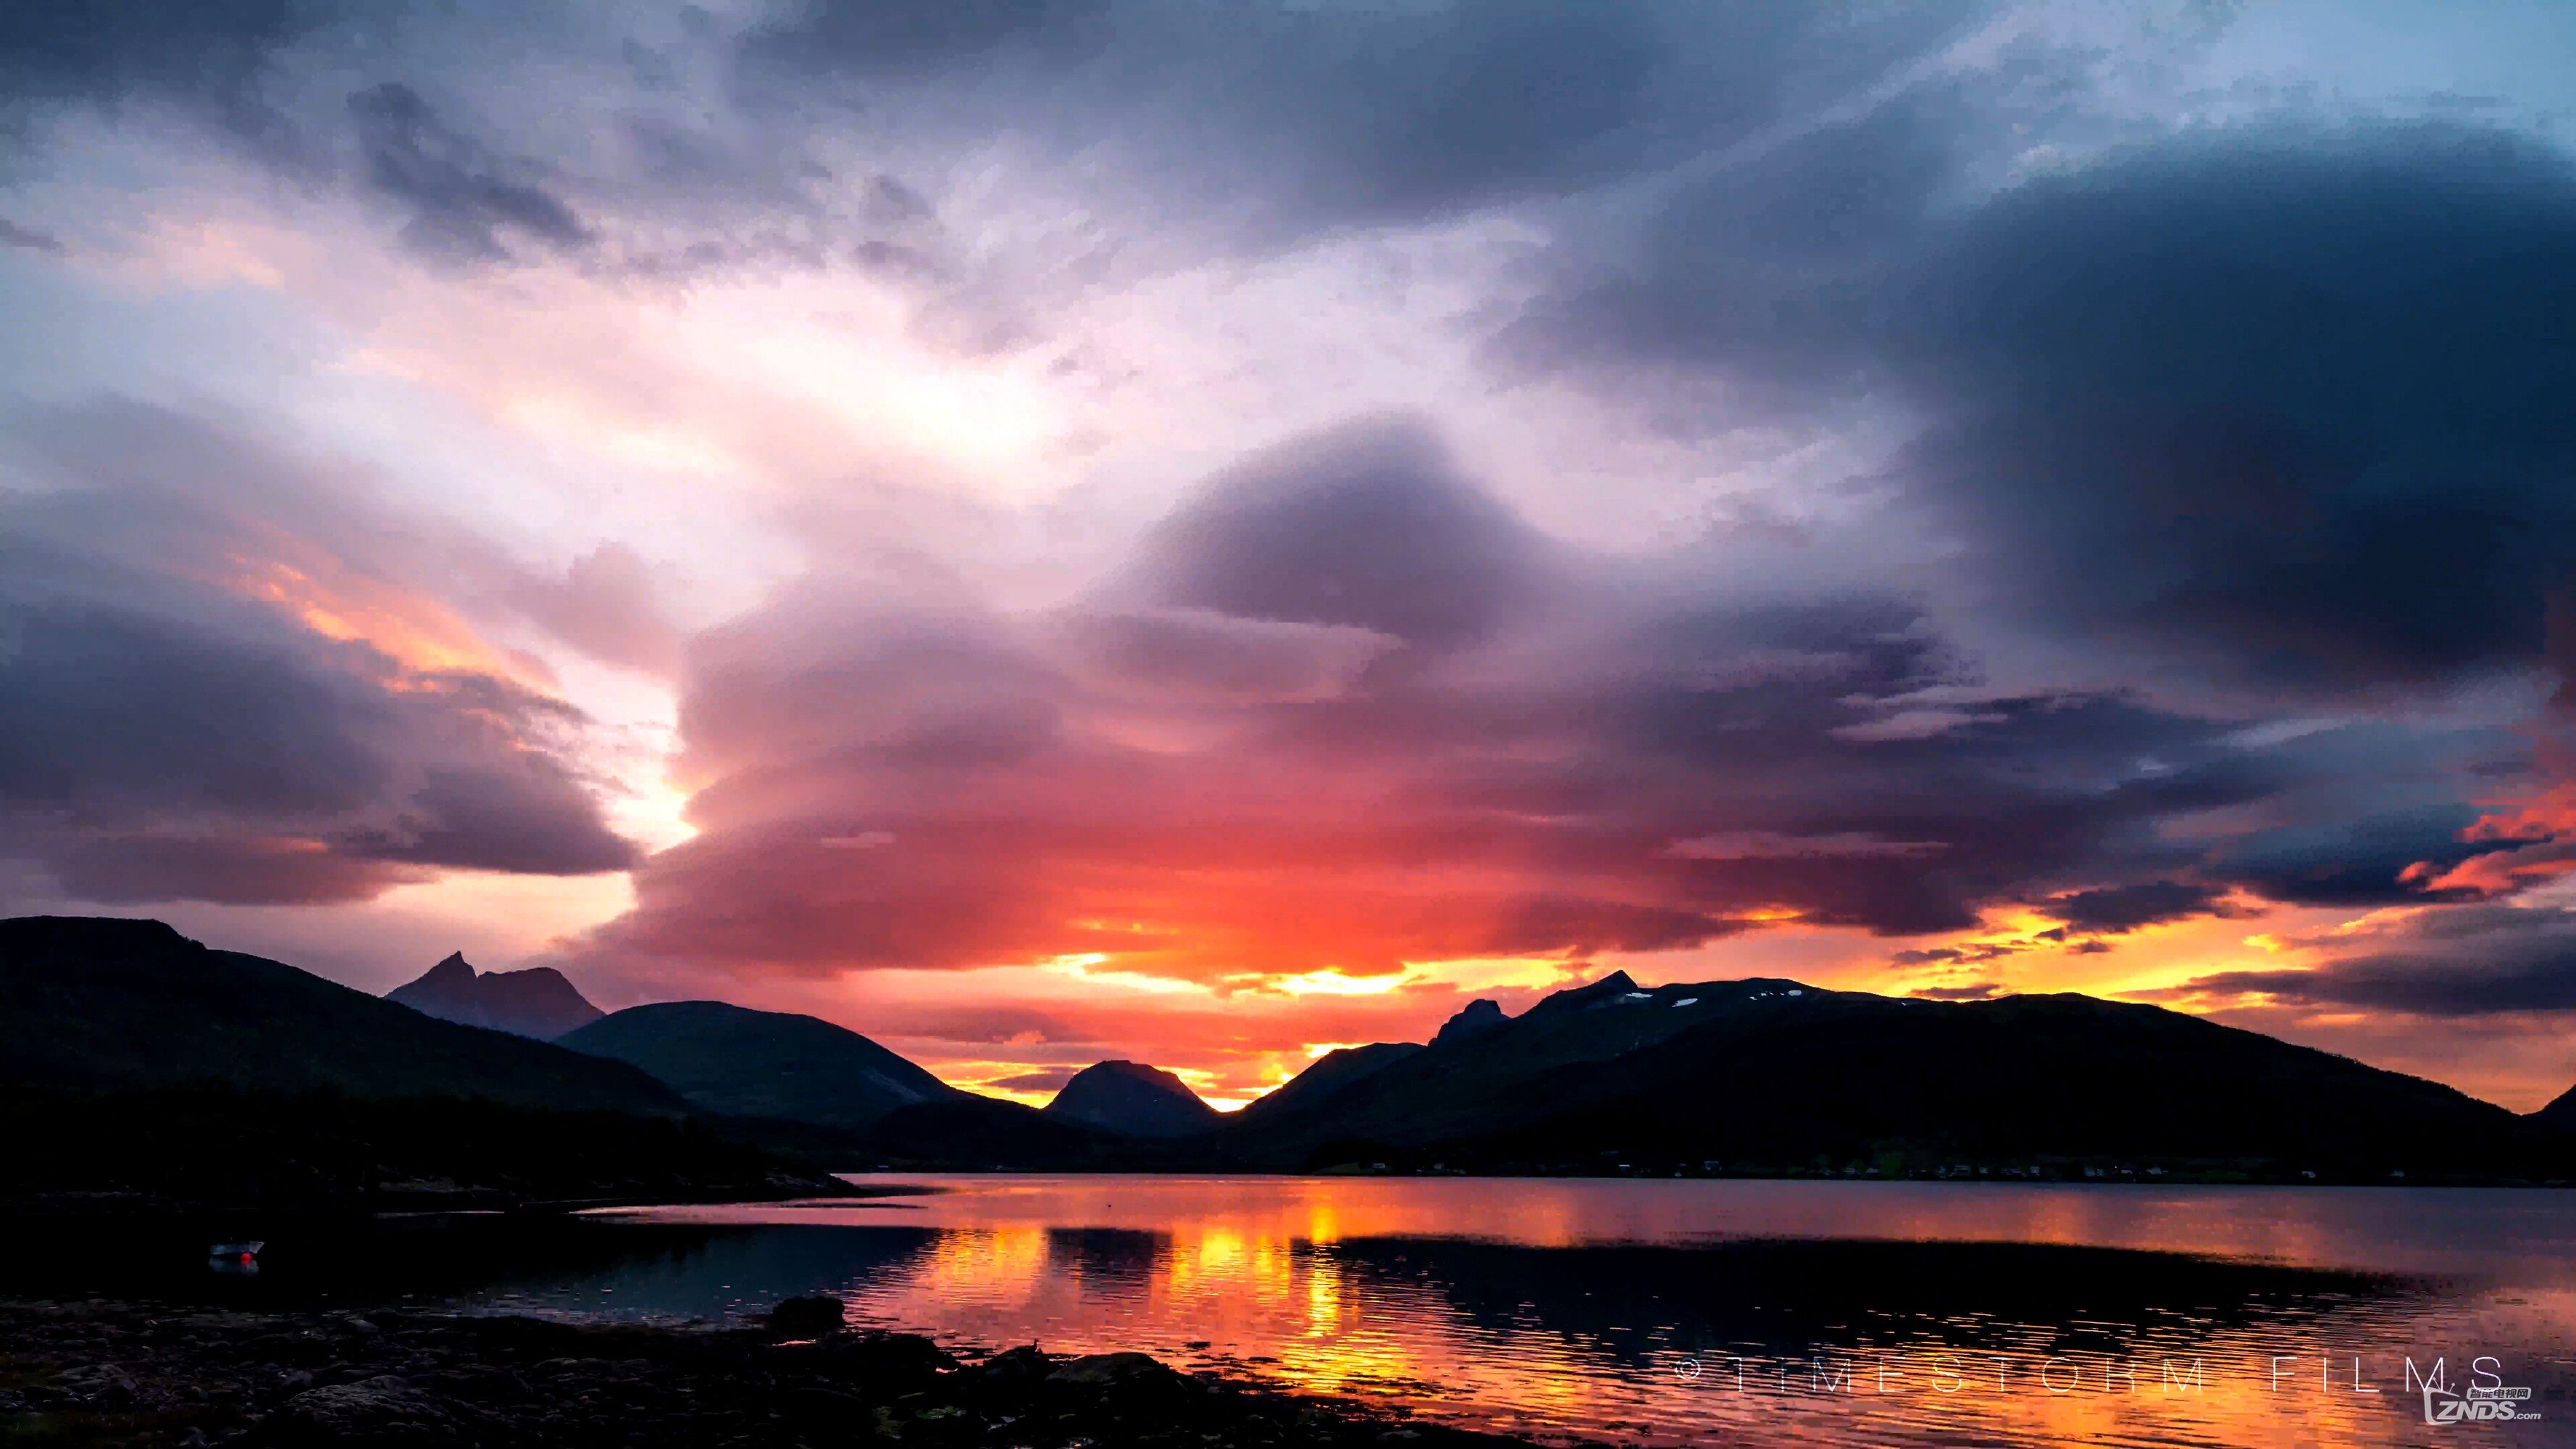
(1959, 497)
(608, 605)
(2491, 960)
(2299, 406)
(197, 704)
(207, 55)
(1344, 712)
(1361, 112)
(462, 201)
(2113, 910)
(2291, 403)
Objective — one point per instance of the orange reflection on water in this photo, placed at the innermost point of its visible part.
(1558, 1308)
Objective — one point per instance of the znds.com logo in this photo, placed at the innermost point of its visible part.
(2486, 1400)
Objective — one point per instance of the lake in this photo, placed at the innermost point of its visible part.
(1821, 1313)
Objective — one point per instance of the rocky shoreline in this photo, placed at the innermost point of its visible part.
(129, 1373)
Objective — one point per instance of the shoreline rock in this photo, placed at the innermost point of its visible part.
(133, 1373)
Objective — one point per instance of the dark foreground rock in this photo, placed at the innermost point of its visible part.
(132, 1374)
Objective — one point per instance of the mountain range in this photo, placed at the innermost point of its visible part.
(1757, 1077)
(1765, 1076)
(134, 1004)
(141, 1064)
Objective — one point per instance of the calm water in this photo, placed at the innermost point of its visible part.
(1844, 1314)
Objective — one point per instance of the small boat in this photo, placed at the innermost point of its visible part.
(237, 1252)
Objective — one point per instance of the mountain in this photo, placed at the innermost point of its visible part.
(1472, 1018)
(1768, 1075)
(1133, 1099)
(827, 1093)
(770, 1064)
(129, 1004)
(1335, 1070)
(1610, 990)
(136, 1062)
(537, 1002)
(2560, 1113)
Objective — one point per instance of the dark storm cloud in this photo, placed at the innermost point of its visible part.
(95, 689)
(2242, 413)
(528, 817)
(2273, 405)
(2379, 858)
(1981, 991)
(1370, 528)
(1777, 271)
(2466, 961)
(171, 725)
(129, 869)
(1265, 124)
(2298, 406)
(1416, 112)
(113, 45)
(461, 198)
(1050, 1080)
(1511, 747)
(207, 56)
(2115, 910)
(253, 72)
(193, 747)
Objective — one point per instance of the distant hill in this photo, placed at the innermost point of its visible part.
(537, 1002)
(1768, 1075)
(769, 1064)
(127, 1004)
(1132, 1099)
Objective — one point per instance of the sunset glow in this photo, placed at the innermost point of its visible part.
(1042, 542)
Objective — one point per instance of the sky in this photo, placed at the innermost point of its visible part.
(1048, 530)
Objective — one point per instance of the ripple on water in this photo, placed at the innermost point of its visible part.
(1826, 1314)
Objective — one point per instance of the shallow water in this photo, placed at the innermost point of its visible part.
(1842, 1314)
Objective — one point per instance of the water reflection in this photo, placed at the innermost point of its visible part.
(1784, 1313)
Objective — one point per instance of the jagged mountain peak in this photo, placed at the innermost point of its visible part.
(537, 1002)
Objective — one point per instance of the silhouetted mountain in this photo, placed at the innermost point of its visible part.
(537, 1002)
(133, 1004)
(1472, 1018)
(1766, 1075)
(771, 1064)
(2560, 1113)
(1134, 1099)
(1611, 988)
(1335, 1070)
(137, 1061)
